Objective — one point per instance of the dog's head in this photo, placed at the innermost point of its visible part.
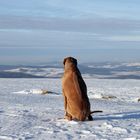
(70, 60)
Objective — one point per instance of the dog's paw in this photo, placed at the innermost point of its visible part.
(68, 117)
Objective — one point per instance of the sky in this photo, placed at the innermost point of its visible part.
(41, 31)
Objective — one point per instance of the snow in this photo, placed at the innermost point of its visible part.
(136, 73)
(27, 114)
(136, 64)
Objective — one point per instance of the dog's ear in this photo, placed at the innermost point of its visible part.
(74, 61)
(64, 61)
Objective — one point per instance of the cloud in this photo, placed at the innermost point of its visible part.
(127, 9)
(33, 28)
(95, 25)
(39, 32)
(125, 38)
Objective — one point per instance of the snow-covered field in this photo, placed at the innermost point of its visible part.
(25, 114)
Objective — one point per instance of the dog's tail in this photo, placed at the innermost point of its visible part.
(96, 111)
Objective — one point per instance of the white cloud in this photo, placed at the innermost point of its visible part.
(126, 38)
(92, 25)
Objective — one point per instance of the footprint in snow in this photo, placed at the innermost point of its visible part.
(113, 129)
(1, 111)
(47, 120)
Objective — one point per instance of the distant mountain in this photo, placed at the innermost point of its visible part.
(104, 70)
(42, 71)
(17, 75)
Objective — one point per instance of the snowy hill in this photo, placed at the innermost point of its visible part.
(30, 71)
(95, 70)
(26, 114)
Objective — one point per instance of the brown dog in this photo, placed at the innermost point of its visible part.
(76, 101)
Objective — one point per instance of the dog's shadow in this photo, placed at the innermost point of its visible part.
(119, 116)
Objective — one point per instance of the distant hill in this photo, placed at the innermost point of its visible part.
(17, 75)
(104, 70)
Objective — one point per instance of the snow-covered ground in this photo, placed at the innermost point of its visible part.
(26, 114)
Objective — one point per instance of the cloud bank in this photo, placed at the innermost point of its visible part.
(85, 29)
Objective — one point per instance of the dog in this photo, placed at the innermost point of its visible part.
(76, 101)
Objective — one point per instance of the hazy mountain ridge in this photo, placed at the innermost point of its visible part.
(104, 70)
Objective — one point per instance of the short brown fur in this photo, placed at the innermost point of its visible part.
(76, 101)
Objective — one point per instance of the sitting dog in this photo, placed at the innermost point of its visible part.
(76, 101)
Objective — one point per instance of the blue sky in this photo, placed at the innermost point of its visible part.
(40, 31)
